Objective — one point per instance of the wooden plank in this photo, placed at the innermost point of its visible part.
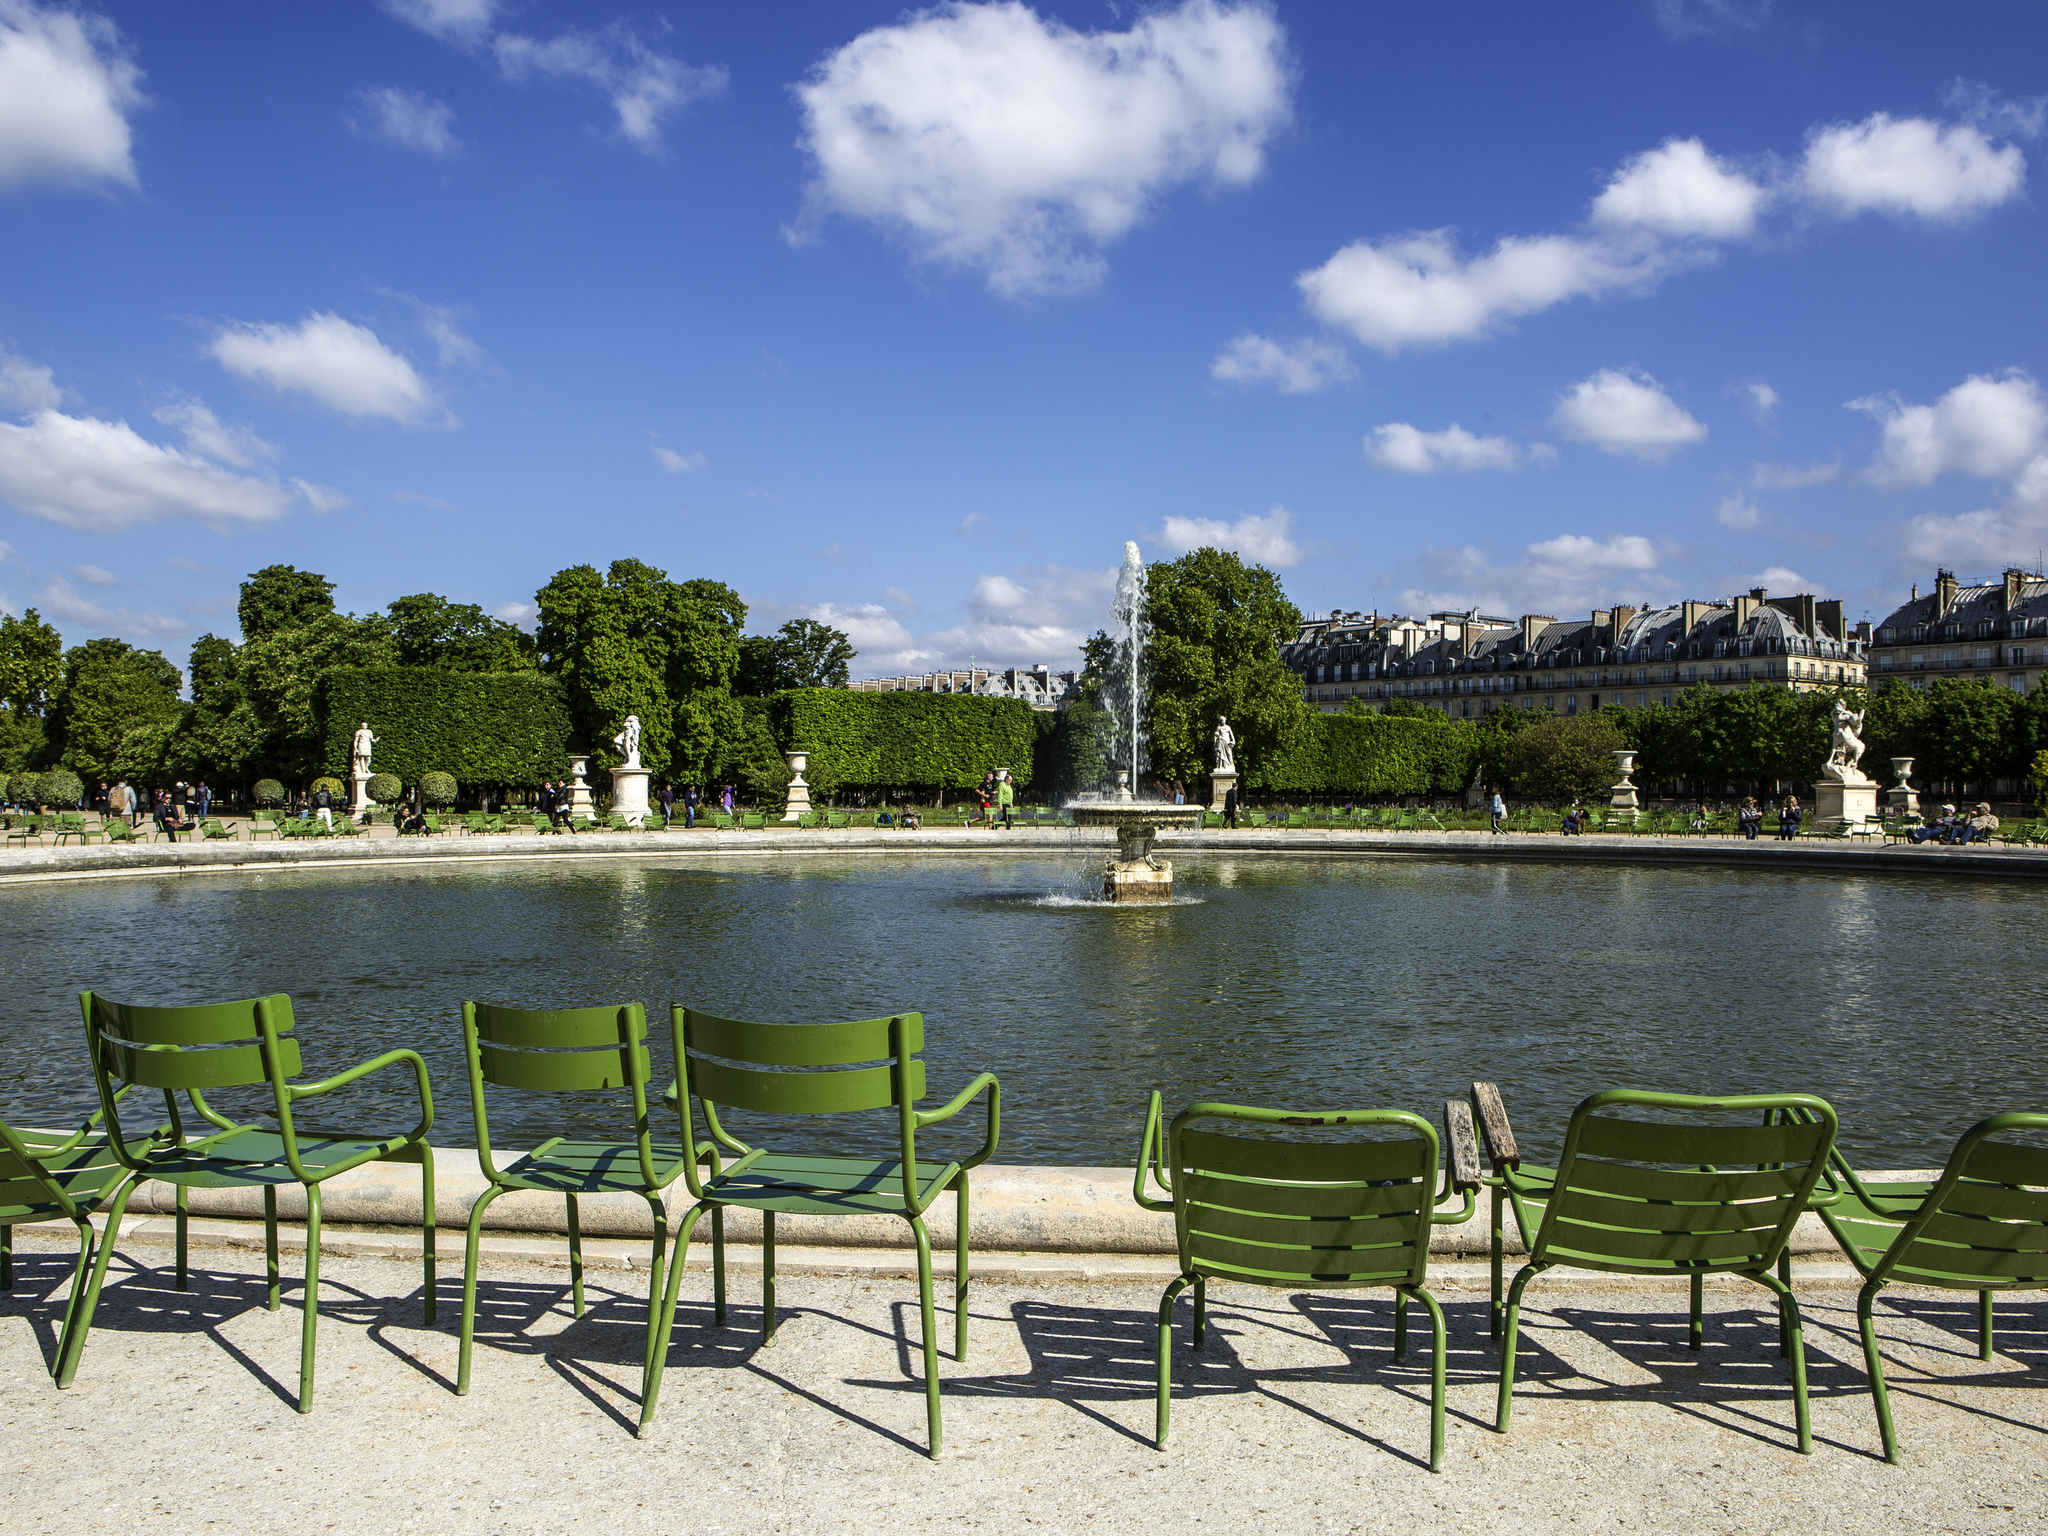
(1463, 1144)
(1493, 1121)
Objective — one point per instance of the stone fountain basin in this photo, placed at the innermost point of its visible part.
(1124, 813)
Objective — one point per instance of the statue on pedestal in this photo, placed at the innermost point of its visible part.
(628, 742)
(1225, 743)
(359, 752)
(1846, 750)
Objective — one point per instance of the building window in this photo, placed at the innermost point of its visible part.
(1983, 655)
(1919, 660)
(1884, 663)
(2017, 682)
(1951, 659)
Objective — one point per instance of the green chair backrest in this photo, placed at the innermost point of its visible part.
(38, 1185)
(558, 1050)
(1276, 1209)
(190, 1050)
(1984, 1225)
(1716, 1184)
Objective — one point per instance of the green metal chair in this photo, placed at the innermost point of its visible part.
(245, 1044)
(571, 1050)
(1981, 1226)
(1327, 1215)
(216, 830)
(1683, 1196)
(48, 1177)
(820, 1069)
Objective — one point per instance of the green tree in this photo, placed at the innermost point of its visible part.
(116, 711)
(1214, 651)
(219, 734)
(31, 663)
(631, 641)
(282, 597)
(804, 653)
(280, 670)
(429, 631)
(1969, 732)
(1563, 757)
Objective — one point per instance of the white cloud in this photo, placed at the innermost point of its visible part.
(1793, 477)
(1626, 413)
(1419, 290)
(1000, 594)
(1411, 451)
(1777, 578)
(321, 498)
(333, 360)
(521, 614)
(102, 476)
(1737, 512)
(26, 386)
(421, 499)
(878, 636)
(644, 84)
(405, 118)
(95, 575)
(1621, 552)
(1994, 112)
(677, 463)
(1989, 425)
(60, 600)
(2012, 534)
(1558, 576)
(453, 20)
(1299, 367)
(1942, 172)
(1261, 537)
(1001, 141)
(1682, 19)
(66, 89)
(452, 345)
(1763, 400)
(1679, 189)
(972, 521)
(208, 436)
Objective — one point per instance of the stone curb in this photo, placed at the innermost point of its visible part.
(100, 861)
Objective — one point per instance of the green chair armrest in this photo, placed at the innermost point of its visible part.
(1152, 1156)
(298, 1092)
(985, 1083)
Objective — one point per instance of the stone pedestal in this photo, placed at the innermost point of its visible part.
(798, 805)
(1220, 785)
(1137, 873)
(580, 806)
(1836, 803)
(1622, 804)
(1902, 799)
(359, 803)
(629, 794)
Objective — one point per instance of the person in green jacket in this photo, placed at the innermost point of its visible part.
(1006, 796)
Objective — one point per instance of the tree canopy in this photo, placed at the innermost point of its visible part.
(116, 711)
(804, 653)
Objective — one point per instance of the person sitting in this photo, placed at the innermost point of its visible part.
(1574, 822)
(1977, 828)
(410, 820)
(1941, 829)
(170, 823)
(1751, 817)
(911, 820)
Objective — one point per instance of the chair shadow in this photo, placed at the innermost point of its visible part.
(42, 1286)
(2020, 1339)
(1737, 1365)
(1361, 1323)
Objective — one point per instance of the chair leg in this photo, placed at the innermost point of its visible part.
(960, 1270)
(429, 1278)
(575, 1258)
(1697, 1328)
(270, 1279)
(717, 1265)
(656, 1273)
(931, 1332)
(650, 1387)
(1505, 1406)
(469, 1256)
(1873, 1364)
(767, 1277)
(1494, 1327)
(1436, 1380)
(1986, 1340)
(1201, 1310)
(6, 1258)
(310, 1322)
(1795, 1343)
(67, 1360)
(78, 1279)
(183, 1203)
(1163, 1358)
(1400, 1326)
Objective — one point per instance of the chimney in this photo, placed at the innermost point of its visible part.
(1801, 610)
(1829, 616)
(1601, 620)
(1862, 630)
(1916, 593)
(1691, 611)
(1532, 626)
(1622, 614)
(1745, 604)
(1944, 592)
(2014, 577)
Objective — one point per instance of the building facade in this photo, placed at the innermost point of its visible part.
(1994, 630)
(1040, 687)
(1467, 663)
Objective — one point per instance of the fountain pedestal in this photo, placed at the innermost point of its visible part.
(1136, 874)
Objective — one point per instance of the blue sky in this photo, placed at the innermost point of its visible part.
(908, 318)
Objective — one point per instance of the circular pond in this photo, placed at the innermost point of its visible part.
(1912, 1003)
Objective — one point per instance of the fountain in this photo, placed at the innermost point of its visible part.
(1136, 874)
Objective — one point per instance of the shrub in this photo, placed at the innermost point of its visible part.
(1370, 754)
(488, 728)
(60, 789)
(335, 792)
(895, 741)
(437, 789)
(267, 793)
(385, 788)
(24, 788)
(2041, 781)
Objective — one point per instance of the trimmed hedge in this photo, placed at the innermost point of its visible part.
(385, 788)
(904, 741)
(267, 792)
(1371, 755)
(437, 790)
(485, 728)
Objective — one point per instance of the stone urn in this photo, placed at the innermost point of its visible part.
(1902, 799)
(798, 805)
(1622, 803)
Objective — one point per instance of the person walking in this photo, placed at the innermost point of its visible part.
(178, 799)
(726, 800)
(1006, 799)
(1230, 807)
(204, 798)
(689, 805)
(668, 801)
(1499, 812)
(117, 801)
(323, 808)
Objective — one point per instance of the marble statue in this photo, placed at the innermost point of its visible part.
(1846, 751)
(628, 742)
(359, 751)
(1225, 741)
